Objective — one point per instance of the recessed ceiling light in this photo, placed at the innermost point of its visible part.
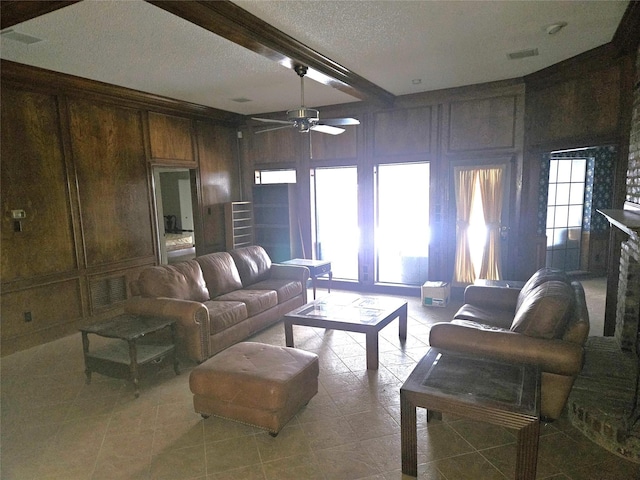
(241, 100)
(555, 27)
(416, 81)
(530, 52)
(19, 37)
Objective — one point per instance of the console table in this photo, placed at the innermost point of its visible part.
(499, 393)
(126, 358)
(317, 268)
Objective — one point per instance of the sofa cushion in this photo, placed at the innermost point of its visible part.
(479, 325)
(223, 315)
(285, 289)
(183, 281)
(253, 264)
(545, 274)
(257, 301)
(545, 311)
(485, 316)
(220, 273)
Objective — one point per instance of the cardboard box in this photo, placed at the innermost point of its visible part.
(435, 294)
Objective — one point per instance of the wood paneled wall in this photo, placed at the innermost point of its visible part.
(473, 125)
(77, 157)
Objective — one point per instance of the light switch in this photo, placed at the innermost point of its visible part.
(18, 214)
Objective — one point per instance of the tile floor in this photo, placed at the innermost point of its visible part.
(54, 426)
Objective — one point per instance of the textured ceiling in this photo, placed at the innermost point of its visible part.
(391, 43)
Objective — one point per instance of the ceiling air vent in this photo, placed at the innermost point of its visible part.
(530, 52)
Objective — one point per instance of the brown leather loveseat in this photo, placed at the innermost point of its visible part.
(220, 298)
(546, 323)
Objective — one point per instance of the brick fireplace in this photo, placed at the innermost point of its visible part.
(605, 402)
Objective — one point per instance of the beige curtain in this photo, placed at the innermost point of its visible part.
(491, 192)
(464, 183)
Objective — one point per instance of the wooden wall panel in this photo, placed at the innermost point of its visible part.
(108, 150)
(333, 147)
(219, 179)
(403, 131)
(587, 106)
(38, 301)
(170, 138)
(276, 147)
(482, 124)
(34, 180)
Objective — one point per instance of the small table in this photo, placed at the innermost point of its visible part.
(317, 268)
(499, 393)
(352, 313)
(128, 360)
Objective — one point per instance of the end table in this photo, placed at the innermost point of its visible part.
(128, 359)
(317, 268)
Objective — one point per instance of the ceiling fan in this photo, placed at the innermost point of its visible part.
(304, 119)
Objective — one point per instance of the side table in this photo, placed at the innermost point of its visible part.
(127, 359)
(499, 393)
(317, 268)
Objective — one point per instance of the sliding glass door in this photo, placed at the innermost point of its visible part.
(402, 223)
(334, 197)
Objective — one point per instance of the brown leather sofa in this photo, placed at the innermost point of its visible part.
(546, 323)
(220, 298)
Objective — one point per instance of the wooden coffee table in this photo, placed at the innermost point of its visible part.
(499, 393)
(352, 313)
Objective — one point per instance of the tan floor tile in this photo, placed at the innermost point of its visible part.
(294, 468)
(252, 472)
(178, 464)
(346, 462)
(471, 466)
(290, 441)
(230, 454)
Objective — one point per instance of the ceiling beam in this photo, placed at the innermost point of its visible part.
(14, 12)
(229, 21)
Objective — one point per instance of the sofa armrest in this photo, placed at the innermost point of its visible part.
(499, 298)
(292, 272)
(553, 356)
(192, 321)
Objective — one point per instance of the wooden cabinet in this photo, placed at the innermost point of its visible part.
(275, 220)
(238, 219)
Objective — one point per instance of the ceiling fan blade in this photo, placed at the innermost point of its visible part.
(274, 128)
(271, 120)
(327, 129)
(340, 121)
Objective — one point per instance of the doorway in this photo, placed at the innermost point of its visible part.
(174, 205)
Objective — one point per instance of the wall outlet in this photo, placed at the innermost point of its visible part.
(27, 316)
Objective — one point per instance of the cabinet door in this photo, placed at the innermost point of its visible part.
(171, 139)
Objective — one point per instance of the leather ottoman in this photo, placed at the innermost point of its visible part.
(256, 384)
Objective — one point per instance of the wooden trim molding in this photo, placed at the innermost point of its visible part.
(13, 12)
(226, 19)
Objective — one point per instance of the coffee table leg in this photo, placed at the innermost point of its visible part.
(133, 367)
(402, 321)
(372, 351)
(408, 436)
(288, 333)
(85, 349)
(527, 451)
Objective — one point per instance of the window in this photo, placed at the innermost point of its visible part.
(564, 212)
(264, 177)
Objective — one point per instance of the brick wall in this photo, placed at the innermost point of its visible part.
(628, 304)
